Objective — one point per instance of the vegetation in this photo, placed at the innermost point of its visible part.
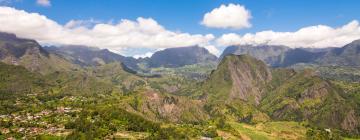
(241, 99)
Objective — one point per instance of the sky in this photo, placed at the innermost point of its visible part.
(140, 27)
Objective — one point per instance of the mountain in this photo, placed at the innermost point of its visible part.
(31, 55)
(90, 56)
(245, 88)
(242, 98)
(238, 77)
(278, 56)
(304, 96)
(299, 55)
(171, 58)
(271, 54)
(177, 57)
(349, 55)
(235, 88)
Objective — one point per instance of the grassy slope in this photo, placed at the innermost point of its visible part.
(270, 130)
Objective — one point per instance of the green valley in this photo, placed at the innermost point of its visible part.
(51, 95)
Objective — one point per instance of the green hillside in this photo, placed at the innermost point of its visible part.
(241, 99)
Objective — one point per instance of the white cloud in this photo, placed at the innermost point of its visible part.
(148, 54)
(43, 2)
(313, 36)
(212, 49)
(142, 33)
(233, 16)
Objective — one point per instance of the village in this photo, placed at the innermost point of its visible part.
(38, 123)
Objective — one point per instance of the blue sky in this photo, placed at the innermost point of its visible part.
(186, 15)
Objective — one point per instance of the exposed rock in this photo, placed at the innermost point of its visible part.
(351, 122)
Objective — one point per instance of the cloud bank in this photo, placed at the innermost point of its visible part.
(141, 33)
(145, 33)
(319, 36)
(232, 16)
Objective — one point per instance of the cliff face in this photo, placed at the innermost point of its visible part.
(248, 76)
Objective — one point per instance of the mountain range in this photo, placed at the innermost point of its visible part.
(77, 92)
(283, 56)
(168, 58)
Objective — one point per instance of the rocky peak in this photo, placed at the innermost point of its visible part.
(245, 76)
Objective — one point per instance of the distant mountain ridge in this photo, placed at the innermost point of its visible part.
(31, 55)
(168, 58)
(271, 54)
(283, 56)
(177, 57)
(91, 56)
(349, 55)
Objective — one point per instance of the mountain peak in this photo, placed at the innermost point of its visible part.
(239, 77)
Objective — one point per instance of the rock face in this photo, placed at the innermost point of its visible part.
(30, 54)
(157, 106)
(177, 57)
(249, 77)
(88, 56)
